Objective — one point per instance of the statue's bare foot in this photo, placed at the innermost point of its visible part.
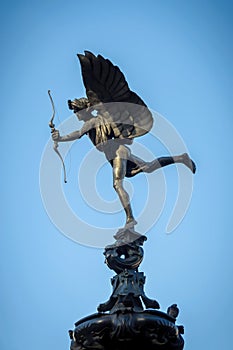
(186, 160)
(130, 222)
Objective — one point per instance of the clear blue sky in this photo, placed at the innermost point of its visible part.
(178, 56)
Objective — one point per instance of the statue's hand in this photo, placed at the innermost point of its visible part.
(56, 136)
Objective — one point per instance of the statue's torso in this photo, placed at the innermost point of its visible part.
(103, 138)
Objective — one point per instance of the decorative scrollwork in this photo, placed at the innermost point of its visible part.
(149, 329)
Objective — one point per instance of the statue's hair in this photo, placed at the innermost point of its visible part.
(78, 104)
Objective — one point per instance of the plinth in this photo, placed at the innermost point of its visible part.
(129, 319)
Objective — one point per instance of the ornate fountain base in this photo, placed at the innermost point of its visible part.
(149, 330)
(122, 322)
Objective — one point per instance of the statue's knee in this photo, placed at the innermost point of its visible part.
(116, 184)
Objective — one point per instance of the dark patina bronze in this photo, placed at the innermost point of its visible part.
(113, 116)
(129, 319)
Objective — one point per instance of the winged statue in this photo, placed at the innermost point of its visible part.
(113, 116)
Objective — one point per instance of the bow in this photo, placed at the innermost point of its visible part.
(55, 145)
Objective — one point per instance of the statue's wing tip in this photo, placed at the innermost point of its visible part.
(80, 55)
(88, 53)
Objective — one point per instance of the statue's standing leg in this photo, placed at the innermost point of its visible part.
(119, 164)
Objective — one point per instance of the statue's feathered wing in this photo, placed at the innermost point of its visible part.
(106, 84)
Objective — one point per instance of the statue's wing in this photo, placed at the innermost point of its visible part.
(106, 84)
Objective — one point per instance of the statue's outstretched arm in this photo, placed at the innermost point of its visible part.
(90, 124)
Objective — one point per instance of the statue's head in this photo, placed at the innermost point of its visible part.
(78, 105)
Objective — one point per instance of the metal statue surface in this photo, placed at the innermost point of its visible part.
(113, 116)
(128, 320)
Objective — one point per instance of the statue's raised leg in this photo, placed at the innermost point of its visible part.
(149, 167)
